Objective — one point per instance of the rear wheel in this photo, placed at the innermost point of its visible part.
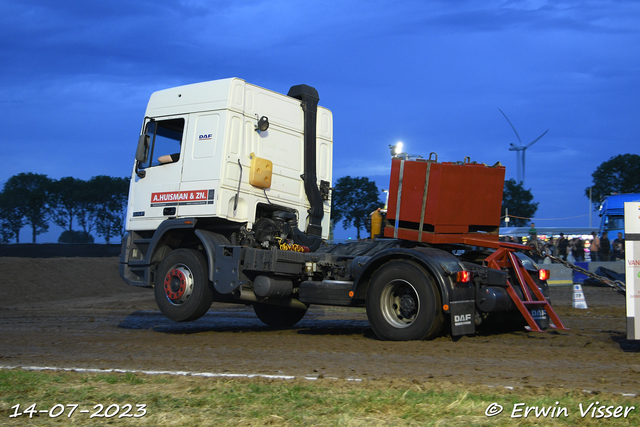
(182, 288)
(403, 303)
(278, 316)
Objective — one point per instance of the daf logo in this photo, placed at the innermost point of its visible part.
(205, 137)
(459, 318)
(539, 314)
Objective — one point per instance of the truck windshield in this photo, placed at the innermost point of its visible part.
(165, 139)
(614, 223)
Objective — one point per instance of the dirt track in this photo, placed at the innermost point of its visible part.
(77, 312)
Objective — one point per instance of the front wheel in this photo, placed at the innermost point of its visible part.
(182, 288)
(403, 303)
(278, 316)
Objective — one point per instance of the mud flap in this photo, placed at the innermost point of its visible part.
(463, 317)
(540, 316)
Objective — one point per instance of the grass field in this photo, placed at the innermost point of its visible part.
(196, 401)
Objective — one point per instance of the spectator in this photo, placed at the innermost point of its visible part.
(549, 251)
(618, 248)
(550, 247)
(605, 247)
(578, 249)
(562, 247)
(595, 246)
(533, 232)
(570, 250)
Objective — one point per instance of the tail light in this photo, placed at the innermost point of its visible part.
(463, 276)
(544, 274)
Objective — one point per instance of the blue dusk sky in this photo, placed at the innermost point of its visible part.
(76, 77)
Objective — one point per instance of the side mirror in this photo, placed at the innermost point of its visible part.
(143, 148)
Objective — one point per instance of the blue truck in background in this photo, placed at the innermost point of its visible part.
(612, 213)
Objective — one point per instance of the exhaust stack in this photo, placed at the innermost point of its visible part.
(309, 101)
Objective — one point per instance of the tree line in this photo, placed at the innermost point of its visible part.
(97, 205)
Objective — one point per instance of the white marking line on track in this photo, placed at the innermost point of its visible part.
(210, 375)
(177, 373)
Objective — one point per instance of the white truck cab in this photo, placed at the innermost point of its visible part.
(223, 166)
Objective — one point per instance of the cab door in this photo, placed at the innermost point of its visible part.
(155, 187)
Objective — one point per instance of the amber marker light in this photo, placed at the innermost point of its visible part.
(188, 222)
(351, 294)
(445, 307)
(544, 274)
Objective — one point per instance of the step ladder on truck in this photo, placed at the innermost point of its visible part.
(229, 202)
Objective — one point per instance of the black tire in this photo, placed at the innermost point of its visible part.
(182, 287)
(278, 316)
(403, 303)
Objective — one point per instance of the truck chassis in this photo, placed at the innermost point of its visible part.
(411, 291)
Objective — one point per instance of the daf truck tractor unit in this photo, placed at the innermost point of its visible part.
(229, 202)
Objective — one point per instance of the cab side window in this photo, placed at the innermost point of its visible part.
(165, 140)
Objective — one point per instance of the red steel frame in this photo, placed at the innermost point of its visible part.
(505, 256)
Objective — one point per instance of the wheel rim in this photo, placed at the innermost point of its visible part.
(178, 284)
(400, 303)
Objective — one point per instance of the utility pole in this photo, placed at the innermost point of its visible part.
(590, 204)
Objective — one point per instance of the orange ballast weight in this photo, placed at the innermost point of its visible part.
(444, 202)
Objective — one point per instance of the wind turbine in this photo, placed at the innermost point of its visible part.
(520, 149)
